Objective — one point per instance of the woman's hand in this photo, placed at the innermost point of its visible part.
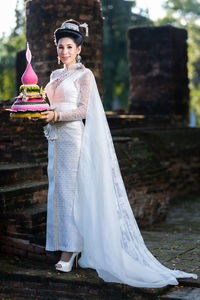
(48, 116)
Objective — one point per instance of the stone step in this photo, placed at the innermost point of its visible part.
(18, 196)
(26, 278)
(39, 238)
(27, 222)
(24, 248)
(21, 230)
(16, 173)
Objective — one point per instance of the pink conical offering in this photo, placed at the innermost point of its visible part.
(31, 100)
(29, 77)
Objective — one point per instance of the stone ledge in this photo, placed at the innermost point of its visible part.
(17, 189)
(18, 173)
(42, 279)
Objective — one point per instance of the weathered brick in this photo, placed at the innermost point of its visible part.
(13, 250)
(50, 15)
(159, 85)
(38, 249)
(35, 256)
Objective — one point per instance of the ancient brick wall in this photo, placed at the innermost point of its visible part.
(157, 163)
(21, 141)
(158, 72)
(43, 17)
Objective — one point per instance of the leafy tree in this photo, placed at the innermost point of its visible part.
(20, 19)
(8, 48)
(118, 18)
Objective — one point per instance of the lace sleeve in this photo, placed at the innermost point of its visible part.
(55, 74)
(84, 93)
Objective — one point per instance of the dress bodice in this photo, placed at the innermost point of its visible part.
(69, 90)
(65, 93)
(63, 88)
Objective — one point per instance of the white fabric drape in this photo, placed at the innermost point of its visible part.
(112, 243)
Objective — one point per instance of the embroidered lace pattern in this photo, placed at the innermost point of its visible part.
(82, 80)
(79, 113)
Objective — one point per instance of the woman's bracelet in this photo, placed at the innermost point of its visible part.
(55, 116)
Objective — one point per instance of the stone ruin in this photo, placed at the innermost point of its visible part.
(158, 161)
(42, 20)
(158, 72)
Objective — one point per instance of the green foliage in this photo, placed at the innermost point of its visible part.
(20, 19)
(118, 18)
(187, 9)
(8, 49)
(186, 13)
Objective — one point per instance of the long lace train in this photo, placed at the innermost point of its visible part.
(113, 244)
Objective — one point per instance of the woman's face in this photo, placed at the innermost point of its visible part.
(67, 51)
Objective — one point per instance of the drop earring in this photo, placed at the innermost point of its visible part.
(78, 58)
(58, 60)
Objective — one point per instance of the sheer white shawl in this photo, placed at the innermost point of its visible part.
(112, 242)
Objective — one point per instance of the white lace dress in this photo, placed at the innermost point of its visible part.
(67, 92)
(88, 207)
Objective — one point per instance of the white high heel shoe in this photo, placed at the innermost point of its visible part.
(67, 265)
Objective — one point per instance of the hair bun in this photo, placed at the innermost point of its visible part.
(71, 28)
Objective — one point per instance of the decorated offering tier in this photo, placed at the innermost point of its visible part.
(32, 99)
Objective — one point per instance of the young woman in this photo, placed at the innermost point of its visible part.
(88, 209)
